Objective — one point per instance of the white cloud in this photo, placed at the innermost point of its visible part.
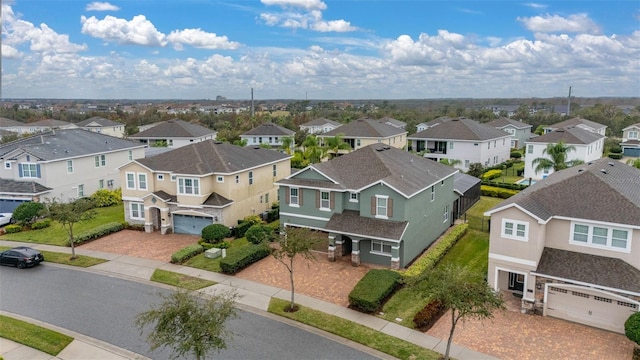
(101, 6)
(308, 5)
(138, 31)
(304, 14)
(9, 52)
(200, 39)
(576, 23)
(333, 26)
(535, 5)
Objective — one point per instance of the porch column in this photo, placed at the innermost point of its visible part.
(395, 257)
(332, 248)
(148, 220)
(339, 247)
(355, 252)
(165, 221)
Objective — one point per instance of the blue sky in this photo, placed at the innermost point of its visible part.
(297, 49)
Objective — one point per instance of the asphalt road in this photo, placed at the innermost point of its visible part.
(104, 308)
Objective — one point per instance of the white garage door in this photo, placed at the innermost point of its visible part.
(589, 307)
(189, 224)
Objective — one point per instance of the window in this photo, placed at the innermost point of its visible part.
(601, 237)
(250, 177)
(293, 196)
(353, 197)
(381, 206)
(633, 134)
(516, 230)
(69, 166)
(357, 142)
(260, 139)
(529, 149)
(220, 179)
(160, 177)
(451, 145)
(101, 184)
(131, 181)
(275, 170)
(433, 193)
(7, 165)
(266, 198)
(188, 186)
(445, 214)
(173, 178)
(260, 199)
(325, 202)
(29, 170)
(378, 246)
(100, 160)
(466, 163)
(81, 190)
(237, 179)
(137, 211)
(130, 155)
(142, 181)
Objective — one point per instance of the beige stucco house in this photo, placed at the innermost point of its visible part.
(103, 126)
(186, 189)
(364, 132)
(174, 133)
(569, 245)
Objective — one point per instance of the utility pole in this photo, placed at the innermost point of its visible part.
(569, 103)
(252, 108)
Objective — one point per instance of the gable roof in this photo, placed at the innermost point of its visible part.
(570, 135)
(350, 222)
(49, 123)
(637, 126)
(208, 157)
(459, 129)
(393, 122)
(504, 122)
(269, 129)
(4, 122)
(366, 128)
(574, 122)
(174, 128)
(99, 121)
(602, 190)
(321, 121)
(10, 186)
(407, 173)
(68, 143)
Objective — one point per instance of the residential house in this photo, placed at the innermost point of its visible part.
(188, 188)
(103, 126)
(579, 123)
(268, 134)
(394, 122)
(588, 147)
(174, 134)
(11, 125)
(16, 192)
(377, 204)
(437, 121)
(363, 132)
(462, 139)
(72, 163)
(520, 131)
(631, 140)
(570, 245)
(319, 125)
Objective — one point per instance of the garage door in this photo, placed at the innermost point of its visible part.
(589, 307)
(189, 224)
(8, 205)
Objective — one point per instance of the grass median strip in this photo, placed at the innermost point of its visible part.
(355, 332)
(34, 336)
(65, 259)
(180, 280)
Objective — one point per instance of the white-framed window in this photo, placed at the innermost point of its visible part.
(137, 211)
(220, 179)
(142, 181)
(188, 186)
(260, 199)
(173, 177)
(160, 177)
(325, 200)
(445, 214)
(517, 230)
(7, 164)
(130, 155)
(529, 149)
(357, 142)
(381, 206)
(275, 170)
(250, 177)
(467, 163)
(100, 160)
(380, 247)
(131, 180)
(293, 197)
(451, 145)
(633, 134)
(28, 170)
(353, 197)
(81, 190)
(237, 179)
(69, 166)
(433, 193)
(101, 184)
(601, 236)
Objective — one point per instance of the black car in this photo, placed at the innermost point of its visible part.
(21, 256)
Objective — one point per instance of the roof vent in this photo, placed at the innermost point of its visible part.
(603, 171)
(386, 147)
(379, 149)
(610, 163)
(580, 170)
(256, 147)
(217, 142)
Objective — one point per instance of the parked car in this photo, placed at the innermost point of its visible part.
(21, 257)
(6, 218)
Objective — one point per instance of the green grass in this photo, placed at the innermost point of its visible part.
(64, 258)
(471, 251)
(203, 263)
(180, 280)
(355, 332)
(34, 336)
(475, 215)
(404, 304)
(57, 235)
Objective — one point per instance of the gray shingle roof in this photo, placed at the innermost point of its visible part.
(463, 182)
(269, 129)
(570, 135)
(632, 126)
(4, 122)
(217, 200)
(603, 190)
(393, 122)
(351, 223)
(365, 128)
(590, 269)
(22, 187)
(100, 121)
(70, 143)
(576, 121)
(174, 128)
(320, 122)
(504, 122)
(459, 129)
(49, 122)
(211, 156)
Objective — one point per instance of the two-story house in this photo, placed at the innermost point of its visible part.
(520, 132)
(462, 139)
(103, 126)
(174, 134)
(363, 132)
(377, 204)
(579, 123)
(588, 146)
(319, 126)
(11, 126)
(16, 192)
(268, 134)
(570, 244)
(394, 122)
(46, 125)
(631, 140)
(188, 188)
(72, 163)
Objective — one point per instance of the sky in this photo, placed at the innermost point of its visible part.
(323, 50)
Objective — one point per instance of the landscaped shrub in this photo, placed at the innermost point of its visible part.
(41, 224)
(505, 185)
(632, 327)
(243, 257)
(373, 289)
(186, 253)
(106, 197)
(491, 174)
(429, 260)
(97, 232)
(497, 192)
(516, 155)
(27, 212)
(10, 229)
(273, 215)
(616, 150)
(215, 233)
(242, 228)
(615, 156)
(259, 233)
(428, 316)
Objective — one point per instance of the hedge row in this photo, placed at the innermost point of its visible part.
(428, 316)
(373, 289)
(13, 228)
(431, 258)
(97, 232)
(503, 185)
(242, 228)
(186, 253)
(615, 156)
(497, 192)
(242, 258)
(41, 224)
(491, 174)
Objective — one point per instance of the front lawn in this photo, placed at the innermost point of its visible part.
(180, 280)
(33, 336)
(201, 262)
(65, 259)
(57, 235)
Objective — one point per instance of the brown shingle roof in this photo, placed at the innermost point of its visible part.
(269, 129)
(459, 129)
(351, 223)
(576, 121)
(504, 122)
(174, 128)
(365, 128)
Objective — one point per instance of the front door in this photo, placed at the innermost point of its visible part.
(516, 282)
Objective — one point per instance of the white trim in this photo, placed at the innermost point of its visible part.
(524, 284)
(138, 205)
(540, 220)
(589, 243)
(514, 236)
(514, 260)
(605, 223)
(304, 216)
(584, 284)
(126, 180)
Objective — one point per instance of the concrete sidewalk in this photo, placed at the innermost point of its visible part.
(252, 295)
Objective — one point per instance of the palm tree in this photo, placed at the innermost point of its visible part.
(557, 158)
(287, 144)
(450, 162)
(635, 163)
(312, 150)
(334, 144)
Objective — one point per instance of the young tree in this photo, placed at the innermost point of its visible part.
(464, 293)
(294, 242)
(69, 214)
(633, 162)
(558, 158)
(189, 324)
(27, 212)
(475, 169)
